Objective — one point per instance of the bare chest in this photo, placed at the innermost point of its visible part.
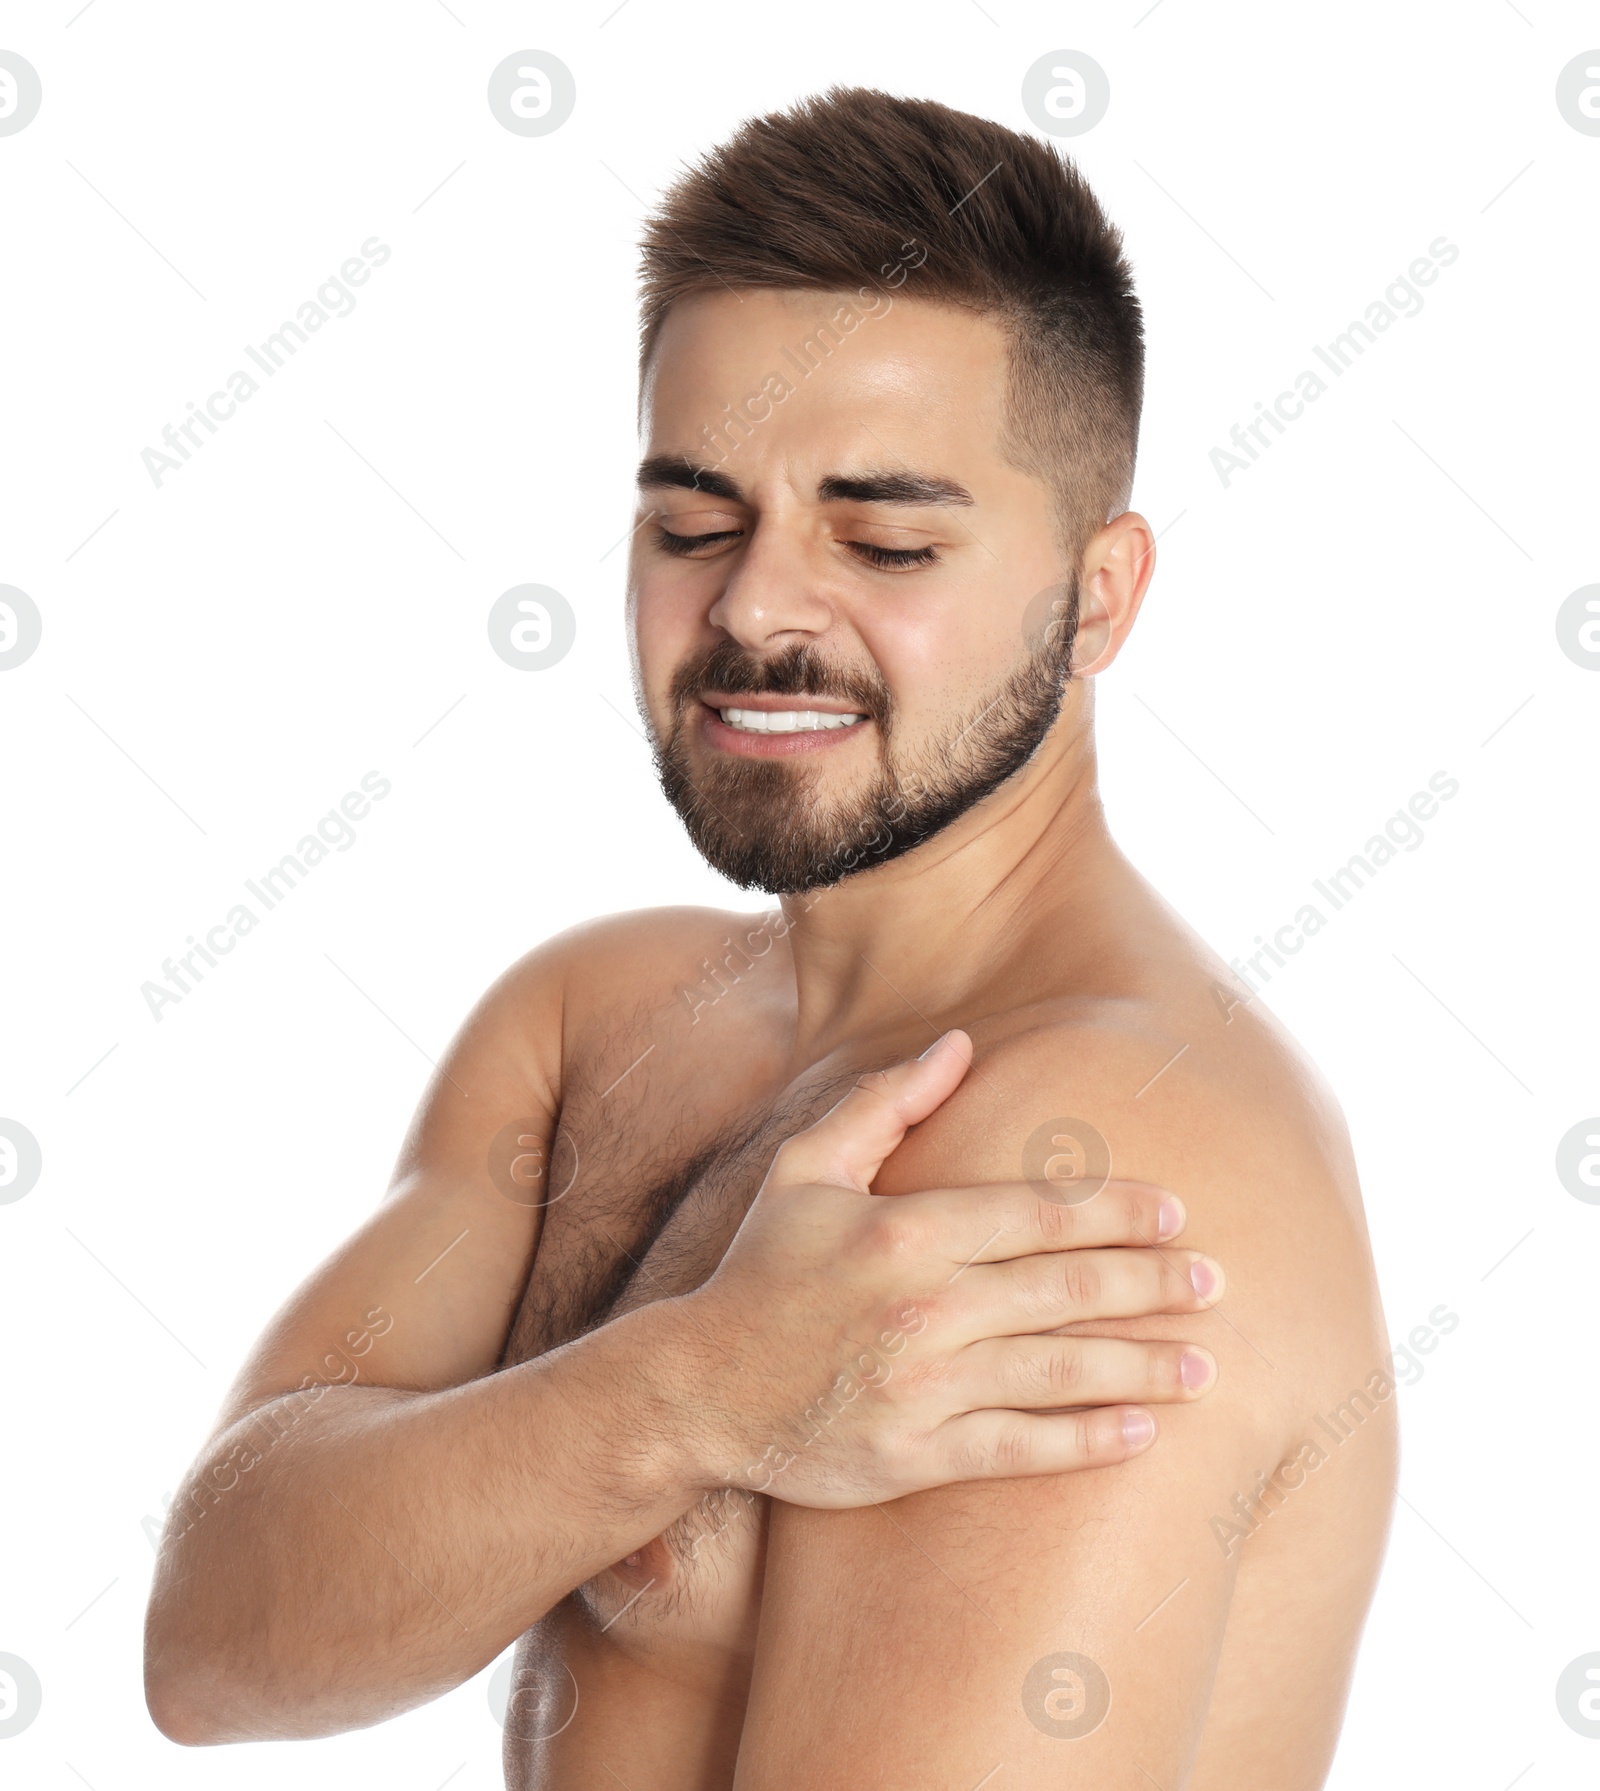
(643, 1200)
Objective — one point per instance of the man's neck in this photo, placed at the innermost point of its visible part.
(927, 931)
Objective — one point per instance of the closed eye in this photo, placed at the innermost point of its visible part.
(687, 544)
(887, 559)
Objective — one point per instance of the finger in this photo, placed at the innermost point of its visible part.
(998, 1221)
(1040, 1293)
(1040, 1373)
(848, 1145)
(1003, 1445)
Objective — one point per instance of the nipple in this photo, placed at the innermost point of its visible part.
(649, 1564)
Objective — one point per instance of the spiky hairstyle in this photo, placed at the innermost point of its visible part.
(831, 192)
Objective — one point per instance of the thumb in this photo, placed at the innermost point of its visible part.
(848, 1145)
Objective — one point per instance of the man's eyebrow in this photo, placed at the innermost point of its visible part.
(676, 469)
(892, 488)
(871, 487)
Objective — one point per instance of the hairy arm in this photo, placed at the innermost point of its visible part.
(1059, 1631)
(378, 1512)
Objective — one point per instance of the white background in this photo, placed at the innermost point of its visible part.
(225, 656)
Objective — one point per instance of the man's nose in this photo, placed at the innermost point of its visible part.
(773, 594)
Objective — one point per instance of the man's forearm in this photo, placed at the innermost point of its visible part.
(345, 1554)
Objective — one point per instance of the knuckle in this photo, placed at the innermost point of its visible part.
(914, 1377)
(1064, 1370)
(898, 1233)
(1142, 1214)
(905, 1451)
(1057, 1222)
(1163, 1370)
(1157, 1281)
(1089, 1437)
(926, 1386)
(869, 1093)
(1046, 1368)
(1080, 1280)
(966, 1460)
(904, 1316)
(1013, 1451)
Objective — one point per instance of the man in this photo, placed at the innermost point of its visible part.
(766, 1316)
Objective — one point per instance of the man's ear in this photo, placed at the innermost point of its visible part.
(1116, 570)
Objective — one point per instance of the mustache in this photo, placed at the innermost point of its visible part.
(797, 670)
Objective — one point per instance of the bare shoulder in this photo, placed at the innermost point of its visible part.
(1139, 1568)
(611, 949)
(629, 969)
(1213, 1100)
(577, 1000)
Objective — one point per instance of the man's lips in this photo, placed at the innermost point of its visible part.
(759, 724)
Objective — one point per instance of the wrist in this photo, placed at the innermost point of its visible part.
(679, 1362)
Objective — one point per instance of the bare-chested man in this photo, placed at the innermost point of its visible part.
(771, 1311)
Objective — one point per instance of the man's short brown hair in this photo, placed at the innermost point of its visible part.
(836, 189)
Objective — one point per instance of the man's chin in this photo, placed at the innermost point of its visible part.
(754, 821)
(745, 850)
(765, 823)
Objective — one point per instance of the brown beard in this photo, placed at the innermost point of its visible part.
(763, 823)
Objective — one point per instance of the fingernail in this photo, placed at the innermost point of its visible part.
(933, 1047)
(1203, 1277)
(1137, 1429)
(1169, 1218)
(1194, 1370)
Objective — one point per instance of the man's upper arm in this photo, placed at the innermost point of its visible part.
(423, 1293)
(1066, 1628)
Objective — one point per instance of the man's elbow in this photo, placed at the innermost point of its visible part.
(176, 1710)
(196, 1709)
(188, 1695)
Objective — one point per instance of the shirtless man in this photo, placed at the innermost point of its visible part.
(769, 1314)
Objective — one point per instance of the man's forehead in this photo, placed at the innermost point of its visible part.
(823, 351)
(792, 312)
(899, 405)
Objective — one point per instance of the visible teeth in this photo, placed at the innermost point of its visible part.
(785, 721)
